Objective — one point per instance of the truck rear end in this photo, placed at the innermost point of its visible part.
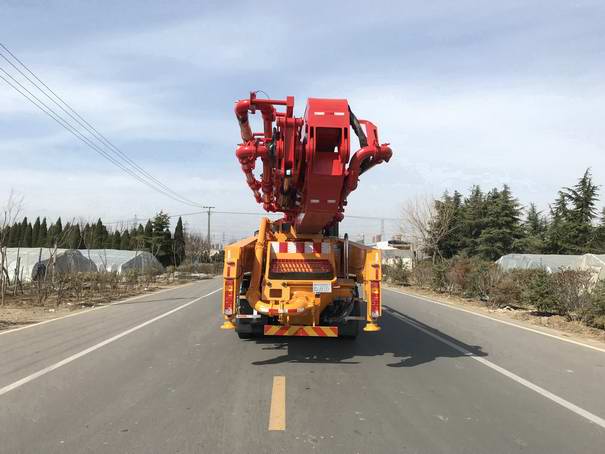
(279, 284)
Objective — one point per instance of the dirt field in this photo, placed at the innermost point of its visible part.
(22, 310)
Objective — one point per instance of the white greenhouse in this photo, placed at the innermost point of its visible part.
(553, 263)
(121, 261)
(30, 263)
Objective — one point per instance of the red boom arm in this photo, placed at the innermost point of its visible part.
(307, 174)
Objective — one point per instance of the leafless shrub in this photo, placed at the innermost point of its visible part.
(457, 274)
(427, 222)
(506, 292)
(572, 290)
(10, 213)
(422, 274)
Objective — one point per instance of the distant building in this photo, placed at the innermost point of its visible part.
(393, 251)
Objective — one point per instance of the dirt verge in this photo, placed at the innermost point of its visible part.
(19, 312)
(553, 324)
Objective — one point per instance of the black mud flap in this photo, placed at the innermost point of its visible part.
(351, 328)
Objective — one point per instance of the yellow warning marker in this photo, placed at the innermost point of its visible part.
(277, 416)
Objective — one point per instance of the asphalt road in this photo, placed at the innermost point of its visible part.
(157, 375)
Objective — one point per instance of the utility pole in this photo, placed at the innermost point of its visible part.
(208, 208)
(382, 230)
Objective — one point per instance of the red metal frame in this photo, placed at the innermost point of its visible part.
(307, 174)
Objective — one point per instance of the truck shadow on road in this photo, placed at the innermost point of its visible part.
(399, 339)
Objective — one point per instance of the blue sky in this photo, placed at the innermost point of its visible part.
(466, 93)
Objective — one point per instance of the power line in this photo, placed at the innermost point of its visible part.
(124, 160)
(249, 213)
(61, 121)
(83, 123)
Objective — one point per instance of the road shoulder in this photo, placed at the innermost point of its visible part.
(569, 331)
(15, 318)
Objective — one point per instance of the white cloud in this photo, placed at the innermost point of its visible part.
(466, 94)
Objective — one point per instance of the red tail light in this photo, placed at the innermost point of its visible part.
(375, 299)
(228, 296)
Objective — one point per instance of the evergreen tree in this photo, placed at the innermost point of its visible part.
(36, 233)
(14, 236)
(535, 224)
(535, 227)
(27, 237)
(116, 240)
(5, 235)
(58, 230)
(573, 213)
(473, 221)
(88, 237)
(100, 235)
(502, 224)
(148, 235)
(50, 238)
(583, 198)
(167, 257)
(179, 243)
(67, 231)
(55, 233)
(557, 234)
(139, 238)
(161, 240)
(43, 235)
(22, 231)
(74, 239)
(598, 243)
(125, 241)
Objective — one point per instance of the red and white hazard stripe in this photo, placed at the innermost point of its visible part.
(312, 331)
(301, 247)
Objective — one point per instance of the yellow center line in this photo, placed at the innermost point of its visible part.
(277, 416)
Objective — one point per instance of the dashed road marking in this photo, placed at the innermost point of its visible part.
(277, 416)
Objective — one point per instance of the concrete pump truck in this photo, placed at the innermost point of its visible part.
(296, 276)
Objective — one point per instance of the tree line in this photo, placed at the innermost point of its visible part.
(155, 236)
(491, 224)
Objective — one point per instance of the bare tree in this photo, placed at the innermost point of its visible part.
(10, 213)
(427, 222)
(195, 246)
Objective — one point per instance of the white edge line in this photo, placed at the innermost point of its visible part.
(543, 392)
(86, 311)
(75, 356)
(516, 325)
